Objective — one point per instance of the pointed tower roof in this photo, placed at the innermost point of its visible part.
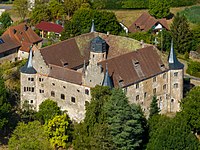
(173, 61)
(107, 81)
(93, 27)
(28, 67)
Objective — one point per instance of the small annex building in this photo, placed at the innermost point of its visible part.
(47, 27)
(16, 41)
(66, 71)
(147, 22)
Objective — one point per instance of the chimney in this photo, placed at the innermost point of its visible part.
(108, 33)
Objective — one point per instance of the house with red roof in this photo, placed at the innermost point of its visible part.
(147, 22)
(16, 42)
(47, 27)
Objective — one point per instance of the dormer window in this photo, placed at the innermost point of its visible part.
(121, 83)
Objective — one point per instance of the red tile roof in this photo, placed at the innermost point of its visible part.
(23, 35)
(49, 27)
(134, 66)
(145, 22)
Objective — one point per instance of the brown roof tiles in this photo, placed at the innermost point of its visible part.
(134, 66)
(145, 22)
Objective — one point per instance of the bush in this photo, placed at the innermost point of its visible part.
(194, 68)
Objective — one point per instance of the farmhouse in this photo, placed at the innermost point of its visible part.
(147, 22)
(16, 41)
(66, 71)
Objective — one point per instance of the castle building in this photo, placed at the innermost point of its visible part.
(66, 71)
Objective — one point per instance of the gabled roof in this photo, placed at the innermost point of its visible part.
(107, 81)
(145, 22)
(8, 44)
(135, 66)
(65, 74)
(49, 27)
(23, 35)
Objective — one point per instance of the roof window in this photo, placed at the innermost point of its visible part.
(1, 41)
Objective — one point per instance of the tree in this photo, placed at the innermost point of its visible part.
(154, 110)
(29, 136)
(171, 133)
(5, 107)
(159, 8)
(82, 19)
(56, 8)
(125, 122)
(40, 13)
(93, 132)
(181, 34)
(21, 6)
(58, 130)
(27, 112)
(190, 109)
(48, 109)
(5, 19)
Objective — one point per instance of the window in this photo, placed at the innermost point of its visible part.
(31, 101)
(164, 76)
(52, 93)
(78, 90)
(154, 79)
(64, 87)
(137, 85)
(41, 91)
(154, 91)
(32, 89)
(73, 100)
(176, 85)
(62, 96)
(24, 89)
(175, 74)
(137, 97)
(145, 94)
(29, 79)
(164, 87)
(53, 84)
(87, 91)
(32, 79)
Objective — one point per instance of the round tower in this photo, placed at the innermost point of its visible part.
(28, 82)
(175, 81)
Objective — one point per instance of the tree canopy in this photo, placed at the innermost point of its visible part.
(159, 8)
(29, 136)
(154, 110)
(58, 130)
(124, 121)
(48, 109)
(181, 34)
(21, 7)
(82, 20)
(171, 133)
(5, 19)
(190, 109)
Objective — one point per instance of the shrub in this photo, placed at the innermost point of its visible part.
(194, 68)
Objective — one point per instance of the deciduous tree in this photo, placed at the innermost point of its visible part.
(159, 8)
(58, 130)
(48, 109)
(29, 136)
(5, 19)
(21, 7)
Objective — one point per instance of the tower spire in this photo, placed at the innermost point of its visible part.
(28, 67)
(107, 81)
(172, 60)
(93, 27)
